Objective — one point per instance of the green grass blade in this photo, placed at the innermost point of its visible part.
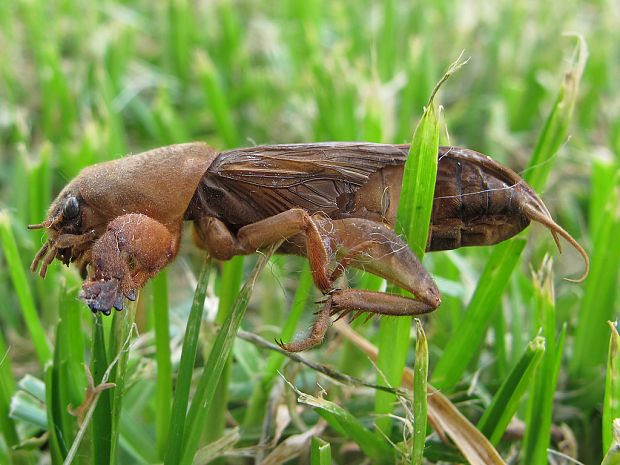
(613, 454)
(217, 101)
(598, 302)
(28, 411)
(342, 420)
(136, 435)
(258, 400)
(70, 342)
(219, 448)
(58, 449)
(217, 360)
(412, 220)
(376, 448)
(304, 289)
(60, 391)
(554, 132)
(393, 344)
(170, 127)
(540, 400)
(416, 201)
(102, 416)
(420, 405)
(232, 276)
(20, 284)
(136, 442)
(464, 343)
(603, 180)
(115, 141)
(387, 40)
(186, 369)
(320, 452)
(611, 404)
(163, 393)
(34, 387)
(373, 117)
(119, 339)
(39, 178)
(7, 389)
(178, 33)
(4, 451)
(506, 401)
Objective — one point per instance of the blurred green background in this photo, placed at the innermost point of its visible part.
(83, 82)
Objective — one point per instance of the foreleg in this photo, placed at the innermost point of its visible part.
(133, 249)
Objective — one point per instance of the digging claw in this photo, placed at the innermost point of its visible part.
(118, 306)
(102, 296)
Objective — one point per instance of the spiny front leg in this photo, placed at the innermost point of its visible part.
(133, 249)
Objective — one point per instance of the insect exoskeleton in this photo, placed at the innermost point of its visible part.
(334, 203)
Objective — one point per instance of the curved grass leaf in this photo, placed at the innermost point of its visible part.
(320, 452)
(7, 389)
(412, 220)
(163, 391)
(420, 388)
(442, 414)
(218, 357)
(599, 299)
(20, 284)
(102, 419)
(611, 404)
(464, 343)
(186, 369)
(540, 401)
(554, 132)
(506, 401)
(376, 448)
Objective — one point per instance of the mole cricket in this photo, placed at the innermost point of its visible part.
(334, 203)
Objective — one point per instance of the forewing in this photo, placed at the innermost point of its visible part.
(310, 176)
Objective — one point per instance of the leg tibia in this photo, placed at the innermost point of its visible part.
(378, 303)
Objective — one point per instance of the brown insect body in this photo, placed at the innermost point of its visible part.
(120, 221)
(132, 197)
(478, 201)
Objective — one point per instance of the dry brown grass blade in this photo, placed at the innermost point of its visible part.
(293, 446)
(442, 414)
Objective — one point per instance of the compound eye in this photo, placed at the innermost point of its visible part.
(70, 209)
